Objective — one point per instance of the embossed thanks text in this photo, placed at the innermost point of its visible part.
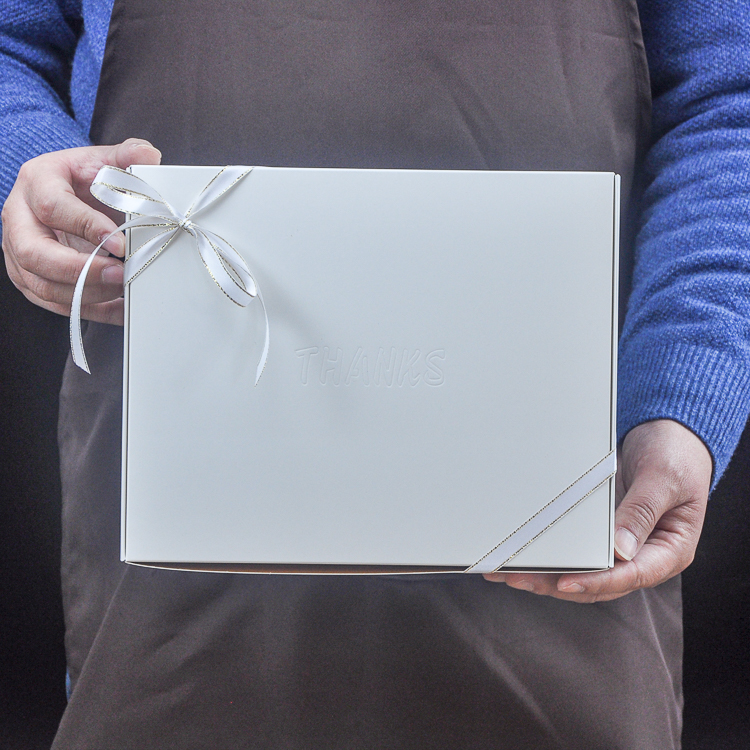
(386, 368)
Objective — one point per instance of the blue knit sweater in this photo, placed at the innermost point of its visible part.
(685, 347)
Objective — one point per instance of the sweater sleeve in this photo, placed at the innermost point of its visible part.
(685, 346)
(37, 44)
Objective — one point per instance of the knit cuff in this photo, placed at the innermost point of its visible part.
(706, 390)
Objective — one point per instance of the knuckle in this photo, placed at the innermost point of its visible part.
(692, 493)
(683, 479)
(38, 287)
(46, 290)
(15, 278)
(640, 581)
(25, 173)
(687, 559)
(645, 512)
(46, 209)
(5, 213)
(87, 227)
(24, 252)
(85, 224)
(693, 516)
(69, 271)
(679, 484)
(684, 557)
(99, 313)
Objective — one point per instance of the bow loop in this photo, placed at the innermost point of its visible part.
(125, 192)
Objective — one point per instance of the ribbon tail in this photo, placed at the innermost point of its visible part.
(76, 337)
(266, 343)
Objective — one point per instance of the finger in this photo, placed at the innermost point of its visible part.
(58, 297)
(105, 312)
(62, 294)
(656, 562)
(662, 496)
(668, 551)
(70, 240)
(84, 163)
(55, 205)
(61, 198)
(636, 517)
(543, 584)
(123, 155)
(643, 560)
(664, 466)
(111, 312)
(536, 583)
(41, 256)
(133, 151)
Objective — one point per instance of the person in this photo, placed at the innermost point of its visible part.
(174, 659)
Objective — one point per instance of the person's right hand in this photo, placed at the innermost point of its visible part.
(51, 223)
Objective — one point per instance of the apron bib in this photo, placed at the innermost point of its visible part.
(195, 660)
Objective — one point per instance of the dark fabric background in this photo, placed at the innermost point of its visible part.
(716, 597)
(33, 347)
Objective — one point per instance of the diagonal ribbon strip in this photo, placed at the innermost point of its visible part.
(125, 192)
(601, 472)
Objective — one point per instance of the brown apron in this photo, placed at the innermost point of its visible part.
(162, 659)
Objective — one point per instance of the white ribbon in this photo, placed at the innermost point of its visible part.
(548, 515)
(127, 193)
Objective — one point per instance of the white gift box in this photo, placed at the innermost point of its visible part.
(441, 370)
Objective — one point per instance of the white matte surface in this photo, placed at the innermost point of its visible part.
(490, 293)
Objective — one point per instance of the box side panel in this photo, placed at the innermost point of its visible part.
(124, 470)
(615, 342)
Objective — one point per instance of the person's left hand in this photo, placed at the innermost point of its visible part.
(662, 487)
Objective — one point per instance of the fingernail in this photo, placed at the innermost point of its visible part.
(625, 544)
(150, 147)
(113, 244)
(113, 274)
(571, 588)
(524, 586)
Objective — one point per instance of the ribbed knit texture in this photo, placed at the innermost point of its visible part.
(685, 348)
(37, 43)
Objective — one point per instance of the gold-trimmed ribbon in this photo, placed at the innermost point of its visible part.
(548, 515)
(125, 192)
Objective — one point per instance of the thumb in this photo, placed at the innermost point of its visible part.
(644, 504)
(666, 472)
(132, 151)
(122, 155)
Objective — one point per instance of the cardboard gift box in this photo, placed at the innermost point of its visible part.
(439, 383)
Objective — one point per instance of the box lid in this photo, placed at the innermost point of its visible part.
(441, 366)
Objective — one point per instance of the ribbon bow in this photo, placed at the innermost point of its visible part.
(127, 193)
